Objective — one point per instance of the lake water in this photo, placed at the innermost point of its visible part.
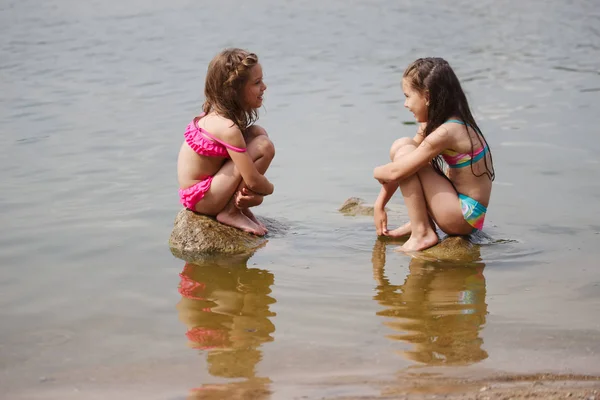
(94, 99)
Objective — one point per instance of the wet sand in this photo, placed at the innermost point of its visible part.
(540, 386)
(502, 388)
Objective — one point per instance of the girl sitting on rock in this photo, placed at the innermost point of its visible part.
(445, 172)
(224, 156)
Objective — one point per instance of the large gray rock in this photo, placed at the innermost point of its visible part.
(196, 238)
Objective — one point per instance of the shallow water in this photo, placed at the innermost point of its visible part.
(94, 98)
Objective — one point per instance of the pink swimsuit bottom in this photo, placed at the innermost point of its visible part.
(189, 197)
(204, 144)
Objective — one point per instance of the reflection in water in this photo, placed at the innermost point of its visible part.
(226, 310)
(439, 309)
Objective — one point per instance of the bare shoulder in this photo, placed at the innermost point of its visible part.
(221, 127)
(441, 138)
(455, 127)
(231, 133)
(461, 133)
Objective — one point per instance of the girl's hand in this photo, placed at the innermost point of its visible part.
(380, 221)
(247, 198)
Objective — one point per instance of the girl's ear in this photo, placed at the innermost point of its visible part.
(427, 98)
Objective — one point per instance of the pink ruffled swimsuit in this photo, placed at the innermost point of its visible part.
(204, 144)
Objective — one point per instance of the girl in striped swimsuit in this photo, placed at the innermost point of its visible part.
(445, 172)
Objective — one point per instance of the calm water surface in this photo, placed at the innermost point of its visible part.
(94, 98)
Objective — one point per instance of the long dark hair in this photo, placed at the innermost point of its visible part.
(434, 76)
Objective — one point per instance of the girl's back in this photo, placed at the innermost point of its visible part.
(196, 162)
(469, 174)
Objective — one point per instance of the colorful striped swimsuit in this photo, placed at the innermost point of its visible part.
(472, 210)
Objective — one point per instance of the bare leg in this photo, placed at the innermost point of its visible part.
(245, 198)
(220, 200)
(443, 203)
(235, 211)
(256, 137)
(253, 218)
(398, 144)
(389, 189)
(232, 216)
(404, 230)
(421, 236)
(431, 199)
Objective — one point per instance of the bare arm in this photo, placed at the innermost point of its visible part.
(409, 164)
(385, 194)
(253, 179)
(388, 189)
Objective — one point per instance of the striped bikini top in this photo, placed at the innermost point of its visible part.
(206, 144)
(460, 160)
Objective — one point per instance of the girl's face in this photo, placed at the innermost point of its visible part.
(254, 88)
(415, 101)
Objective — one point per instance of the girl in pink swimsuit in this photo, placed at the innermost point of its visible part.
(224, 156)
(445, 172)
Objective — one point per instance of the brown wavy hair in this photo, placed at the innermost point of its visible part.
(227, 74)
(434, 76)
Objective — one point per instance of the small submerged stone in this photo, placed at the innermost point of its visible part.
(356, 206)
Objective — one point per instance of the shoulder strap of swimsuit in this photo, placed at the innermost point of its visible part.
(210, 135)
(230, 147)
(456, 121)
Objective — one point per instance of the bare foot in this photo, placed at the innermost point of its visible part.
(419, 242)
(400, 232)
(406, 229)
(238, 220)
(253, 218)
(246, 198)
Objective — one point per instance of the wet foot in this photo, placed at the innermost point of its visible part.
(420, 242)
(237, 219)
(253, 218)
(404, 230)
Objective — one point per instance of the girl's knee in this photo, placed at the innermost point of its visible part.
(262, 146)
(405, 149)
(255, 131)
(399, 143)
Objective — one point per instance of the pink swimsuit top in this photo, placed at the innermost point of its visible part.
(206, 144)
